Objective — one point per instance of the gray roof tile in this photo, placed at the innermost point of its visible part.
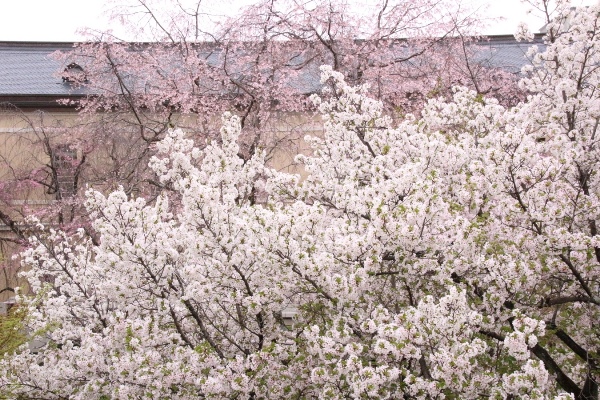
(28, 69)
(505, 52)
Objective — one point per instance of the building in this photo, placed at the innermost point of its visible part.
(43, 150)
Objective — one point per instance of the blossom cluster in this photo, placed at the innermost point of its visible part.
(453, 254)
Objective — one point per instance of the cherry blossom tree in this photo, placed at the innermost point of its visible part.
(264, 62)
(450, 255)
(261, 64)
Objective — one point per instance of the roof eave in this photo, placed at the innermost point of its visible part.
(46, 101)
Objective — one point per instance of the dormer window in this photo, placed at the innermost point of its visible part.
(74, 73)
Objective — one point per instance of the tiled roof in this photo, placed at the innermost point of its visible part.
(505, 52)
(26, 68)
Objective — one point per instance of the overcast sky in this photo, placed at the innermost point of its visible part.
(60, 20)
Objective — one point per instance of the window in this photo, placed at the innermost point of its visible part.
(64, 163)
(74, 73)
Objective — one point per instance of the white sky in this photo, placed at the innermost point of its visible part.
(59, 20)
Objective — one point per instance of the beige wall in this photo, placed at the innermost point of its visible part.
(113, 158)
(22, 158)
